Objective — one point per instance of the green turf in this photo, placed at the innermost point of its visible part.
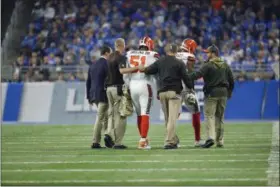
(61, 155)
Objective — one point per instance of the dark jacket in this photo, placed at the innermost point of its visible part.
(171, 72)
(95, 85)
(115, 61)
(218, 78)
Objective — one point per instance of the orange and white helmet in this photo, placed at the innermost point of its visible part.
(189, 45)
(147, 42)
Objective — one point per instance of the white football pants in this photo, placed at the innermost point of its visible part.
(142, 96)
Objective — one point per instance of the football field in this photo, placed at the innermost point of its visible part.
(61, 155)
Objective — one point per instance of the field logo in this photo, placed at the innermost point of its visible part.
(74, 102)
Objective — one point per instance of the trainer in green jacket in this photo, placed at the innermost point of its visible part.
(218, 87)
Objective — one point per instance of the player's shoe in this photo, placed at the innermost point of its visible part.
(199, 143)
(144, 144)
(209, 143)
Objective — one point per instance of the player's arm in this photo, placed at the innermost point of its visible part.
(190, 63)
(184, 76)
(123, 67)
(200, 73)
(150, 70)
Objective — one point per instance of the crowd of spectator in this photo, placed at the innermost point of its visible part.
(65, 36)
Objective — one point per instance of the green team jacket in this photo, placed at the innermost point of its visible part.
(218, 78)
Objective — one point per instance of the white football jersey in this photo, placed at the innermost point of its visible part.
(137, 57)
(185, 57)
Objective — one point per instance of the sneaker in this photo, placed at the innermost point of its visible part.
(120, 147)
(209, 143)
(144, 144)
(108, 141)
(220, 145)
(96, 146)
(199, 143)
(170, 146)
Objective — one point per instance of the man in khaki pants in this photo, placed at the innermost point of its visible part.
(171, 72)
(114, 83)
(218, 87)
(96, 94)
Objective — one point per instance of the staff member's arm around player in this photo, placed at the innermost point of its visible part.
(116, 122)
(218, 86)
(171, 72)
(141, 87)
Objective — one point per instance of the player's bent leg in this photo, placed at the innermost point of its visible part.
(196, 126)
(194, 109)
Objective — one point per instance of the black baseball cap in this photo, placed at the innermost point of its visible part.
(212, 49)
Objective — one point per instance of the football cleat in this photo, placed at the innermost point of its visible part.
(144, 144)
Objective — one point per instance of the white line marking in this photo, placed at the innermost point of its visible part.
(136, 170)
(132, 161)
(52, 149)
(273, 160)
(82, 137)
(135, 180)
(133, 155)
(81, 142)
(132, 135)
(86, 146)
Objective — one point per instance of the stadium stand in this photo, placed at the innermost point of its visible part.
(65, 36)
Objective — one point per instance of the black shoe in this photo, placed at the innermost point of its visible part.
(108, 141)
(120, 147)
(96, 146)
(220, 145)
(170, 146)
(208, 143)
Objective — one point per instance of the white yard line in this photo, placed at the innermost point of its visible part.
(136, 170)
(134, 180)
(273, 160)
(132, 161)
(81, 134)
(31, 142)
(19, 147)
(82, 137)
(132, 155)
(54, 149)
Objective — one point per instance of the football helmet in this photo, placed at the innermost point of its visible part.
(147, 42)
(190, 98)
(189, 45)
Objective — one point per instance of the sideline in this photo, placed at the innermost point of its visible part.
(273, 160)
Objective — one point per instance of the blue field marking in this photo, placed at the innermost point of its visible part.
(13, 102)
